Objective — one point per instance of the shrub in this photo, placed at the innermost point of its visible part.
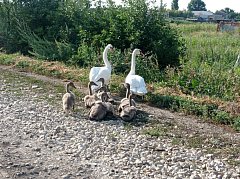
(86, 56)
(42, 48)
(73, 32)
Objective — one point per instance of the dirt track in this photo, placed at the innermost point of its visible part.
(39, 141)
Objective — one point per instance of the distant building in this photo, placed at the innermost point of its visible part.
(202, 14)
(223, 14)
(207, 16)
(216, 18)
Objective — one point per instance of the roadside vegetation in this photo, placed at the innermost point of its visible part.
(189, 67)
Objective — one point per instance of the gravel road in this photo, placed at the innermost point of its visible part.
(38, 141)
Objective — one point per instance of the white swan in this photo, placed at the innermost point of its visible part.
(101, 72)
(137, 83)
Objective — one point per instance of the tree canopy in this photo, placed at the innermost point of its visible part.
(231, 14)
(196, 5)
(175, 5)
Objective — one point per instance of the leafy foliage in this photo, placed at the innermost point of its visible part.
(196, 5)
(71, 30)
(184, 14)
(45, 49)
(174, 5)
(231, 14)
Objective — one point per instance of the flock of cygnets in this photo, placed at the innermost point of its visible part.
(99, 99)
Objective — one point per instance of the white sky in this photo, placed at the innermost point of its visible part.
(211, 5)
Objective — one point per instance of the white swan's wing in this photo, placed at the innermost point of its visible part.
(142, 86)
(137, 84)
(106, 74)
(99, 72)
(93, 73)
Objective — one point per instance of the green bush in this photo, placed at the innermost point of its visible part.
(45, 49)
(86, 56)
(52, 31)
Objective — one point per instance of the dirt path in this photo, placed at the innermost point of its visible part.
(38, 141)
(191, 123)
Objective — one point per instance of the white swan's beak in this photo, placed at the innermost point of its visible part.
(111, 49)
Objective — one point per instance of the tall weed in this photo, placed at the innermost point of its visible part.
(208, 67)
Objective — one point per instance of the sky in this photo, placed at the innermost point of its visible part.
(211, 5)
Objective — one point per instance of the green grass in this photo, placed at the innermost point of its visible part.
(128, 126)
(156, 130)
(207, 68)
(189, 28)
(23, 64)
(177, 141)
(195, 142)
(206, 110)
(6, 59)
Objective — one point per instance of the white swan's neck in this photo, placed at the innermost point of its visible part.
(133, 64)
(105, 59)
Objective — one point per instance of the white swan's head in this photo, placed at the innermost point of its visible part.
(137, 51)
(109, 46)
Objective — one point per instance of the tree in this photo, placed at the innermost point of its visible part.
(229, 12)
(162, 6)
(196, 5)
(175, 5)
(184, 13)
